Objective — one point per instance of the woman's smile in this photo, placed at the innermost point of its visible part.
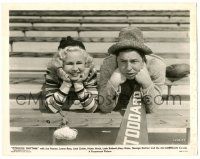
(75, 74)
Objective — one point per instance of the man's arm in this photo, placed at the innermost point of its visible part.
(152, 96)
(108, 90)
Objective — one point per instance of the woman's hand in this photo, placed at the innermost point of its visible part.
(63, 75)
(78, 84)
(143, 77)
(83, 76)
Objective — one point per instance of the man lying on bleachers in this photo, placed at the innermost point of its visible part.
(131, 79)
(70, 73)
(131, 63)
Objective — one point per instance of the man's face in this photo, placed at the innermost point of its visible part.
(74, 64)
(129, 63)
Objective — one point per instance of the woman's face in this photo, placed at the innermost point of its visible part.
(129, 63)
(74, 64)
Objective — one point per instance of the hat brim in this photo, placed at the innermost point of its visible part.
(129, 44)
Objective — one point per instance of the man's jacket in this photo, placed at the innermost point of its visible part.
(110, 100)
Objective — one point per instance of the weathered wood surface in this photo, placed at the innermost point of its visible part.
(180, 13)
(34, 118)
(54, 28)
(36, 103)
(38, 78)
(40, 64)
(24, 90)
(94, 39)
(100, 47)
(50, 54)
(95, 55)
(101, 21)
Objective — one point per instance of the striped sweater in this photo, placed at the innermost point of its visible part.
(59, 93)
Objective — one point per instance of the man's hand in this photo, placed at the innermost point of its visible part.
(143, 77)
(117, 78)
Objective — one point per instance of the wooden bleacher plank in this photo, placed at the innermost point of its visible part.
(26, 75)
(34, 118)
(178, 89)
(101, 21)
(23, 103)
(95, 55)
(50, 54)
(100, 47)
(180, 13)
(176, 61)
(27, 88)
(33, 103)
(47, 28)
(40, 64)
(39, 77)
(94, 39)
(147, 34)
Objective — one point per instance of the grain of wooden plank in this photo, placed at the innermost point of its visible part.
(30, 103)
(34, 118)
(93, 39)
(20, 76)
(50, 54)
(165, 55)
(182, 13)
(43, 28)
(40, 64)
(101, 21)
(157, 47)
(25, 89)
(27, 75)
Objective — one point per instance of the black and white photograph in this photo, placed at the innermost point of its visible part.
(101, 77)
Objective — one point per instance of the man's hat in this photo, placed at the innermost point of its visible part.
(130, 38)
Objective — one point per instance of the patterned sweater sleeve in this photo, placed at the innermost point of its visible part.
(55, 92)
(87, 92)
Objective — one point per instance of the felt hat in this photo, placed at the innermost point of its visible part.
(130, 38)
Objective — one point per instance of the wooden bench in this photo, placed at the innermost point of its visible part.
(34, 38)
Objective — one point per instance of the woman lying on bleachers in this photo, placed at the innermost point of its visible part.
(71, 78)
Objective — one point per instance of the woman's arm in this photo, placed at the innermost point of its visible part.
(55, 94)
(87, 93)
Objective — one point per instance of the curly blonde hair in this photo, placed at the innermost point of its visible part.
(58, 58)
